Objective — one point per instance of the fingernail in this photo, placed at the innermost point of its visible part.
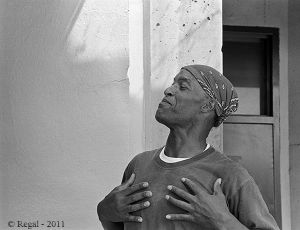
(145, 184)
(170, 187)
(140, 219)
(168, 216)
(219, 180)
(148, 193)
(167, 197)
(183, 179)
(147, 203)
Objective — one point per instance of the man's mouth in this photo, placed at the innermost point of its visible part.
(166, 101)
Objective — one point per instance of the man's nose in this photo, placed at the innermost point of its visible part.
(170, 91)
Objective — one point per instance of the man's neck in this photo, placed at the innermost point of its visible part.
(185, 144)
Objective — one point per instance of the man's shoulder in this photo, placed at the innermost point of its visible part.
(139, 161)
(146, 156)
(231, 169)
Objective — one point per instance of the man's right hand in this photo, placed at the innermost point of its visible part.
(122, 200)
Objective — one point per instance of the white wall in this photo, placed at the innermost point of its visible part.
(270, 13)
(64, 101)
(72, 112)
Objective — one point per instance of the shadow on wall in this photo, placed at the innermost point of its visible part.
(65, 110)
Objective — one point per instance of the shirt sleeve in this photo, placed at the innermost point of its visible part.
(252, 210)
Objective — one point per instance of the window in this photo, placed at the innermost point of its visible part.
(247, 62)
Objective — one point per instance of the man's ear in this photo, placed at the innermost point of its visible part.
(208, 106)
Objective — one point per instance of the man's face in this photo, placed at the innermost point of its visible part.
(182, 101)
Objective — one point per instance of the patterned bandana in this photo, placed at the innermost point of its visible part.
(218, 87)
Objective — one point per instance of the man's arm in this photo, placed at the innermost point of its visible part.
(107, 225)
(252, 209)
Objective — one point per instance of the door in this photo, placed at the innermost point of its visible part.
(251, 136)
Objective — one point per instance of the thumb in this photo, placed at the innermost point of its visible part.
(217, 187)
(129, 182)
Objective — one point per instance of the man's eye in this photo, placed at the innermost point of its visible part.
(183, 87)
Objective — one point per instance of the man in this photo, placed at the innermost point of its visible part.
(188, 184)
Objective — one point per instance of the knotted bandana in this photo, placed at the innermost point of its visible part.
(218, 87)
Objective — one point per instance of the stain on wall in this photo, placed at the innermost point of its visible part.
(182, 33)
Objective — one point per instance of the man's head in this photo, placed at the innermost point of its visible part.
(198, 95)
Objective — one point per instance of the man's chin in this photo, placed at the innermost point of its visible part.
(158, 115)
(161, 117)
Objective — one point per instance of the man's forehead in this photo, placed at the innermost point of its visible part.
(184, 75)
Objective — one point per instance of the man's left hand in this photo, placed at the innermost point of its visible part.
(201, 208)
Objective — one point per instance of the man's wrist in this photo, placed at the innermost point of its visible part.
(230, 222)
(226, 222)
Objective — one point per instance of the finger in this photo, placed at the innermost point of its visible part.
(137, 196)
(130, 218)
(217, 187)
(181, 193)
(196, 189)
(136, 187)
(179, 203)
(129, 182)
(182, 217)
(137, 207)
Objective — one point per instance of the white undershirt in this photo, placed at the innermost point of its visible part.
(167, 159)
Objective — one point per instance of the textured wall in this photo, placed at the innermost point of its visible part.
(271, 13)
(182, 33)
(294, 95)
(64, 108)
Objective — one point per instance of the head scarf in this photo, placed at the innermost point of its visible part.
(218, 87)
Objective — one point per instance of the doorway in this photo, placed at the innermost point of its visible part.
(251, 135)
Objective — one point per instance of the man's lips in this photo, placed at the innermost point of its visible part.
(166, 101)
